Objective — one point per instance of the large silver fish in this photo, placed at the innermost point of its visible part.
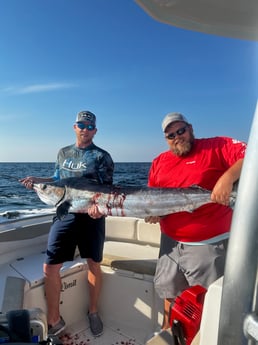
(77, 195)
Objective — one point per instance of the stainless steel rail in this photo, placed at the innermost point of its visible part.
(240, 279)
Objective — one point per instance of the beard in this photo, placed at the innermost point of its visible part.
(183, 147)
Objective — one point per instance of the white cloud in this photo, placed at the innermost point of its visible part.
(38, 88)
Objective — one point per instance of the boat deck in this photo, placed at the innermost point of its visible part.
(78, 335)
(115, 337)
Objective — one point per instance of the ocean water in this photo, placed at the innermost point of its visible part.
(18, 202)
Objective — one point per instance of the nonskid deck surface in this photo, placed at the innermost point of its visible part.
(77, 336)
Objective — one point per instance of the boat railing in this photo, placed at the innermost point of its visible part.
(238, 317)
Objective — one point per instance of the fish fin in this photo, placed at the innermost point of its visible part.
(196, 186)
(62, 210)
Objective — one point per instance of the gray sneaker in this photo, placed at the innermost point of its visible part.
(96, 325)
(58, 328)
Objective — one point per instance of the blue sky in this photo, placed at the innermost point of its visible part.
(108, 56)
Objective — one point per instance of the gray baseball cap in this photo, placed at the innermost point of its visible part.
(86, 116)
(172, 117)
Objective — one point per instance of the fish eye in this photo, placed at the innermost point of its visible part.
(44, 186)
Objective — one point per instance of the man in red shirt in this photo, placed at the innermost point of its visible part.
(193, 245)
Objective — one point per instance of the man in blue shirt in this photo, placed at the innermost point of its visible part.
(87, 231)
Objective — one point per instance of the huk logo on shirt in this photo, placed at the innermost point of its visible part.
(68, 164)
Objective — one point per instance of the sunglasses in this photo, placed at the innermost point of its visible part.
(179, 132)
(82, 126)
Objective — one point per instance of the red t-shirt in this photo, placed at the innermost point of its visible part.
(208, 160)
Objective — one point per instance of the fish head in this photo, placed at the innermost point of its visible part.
(49, 193)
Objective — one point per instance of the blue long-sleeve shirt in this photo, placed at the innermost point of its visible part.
(93, 162)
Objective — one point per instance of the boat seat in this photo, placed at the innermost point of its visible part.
(131, 245)
(132, 230)
(137, 266)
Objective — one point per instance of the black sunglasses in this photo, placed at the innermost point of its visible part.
(82, 126)
(179, 132)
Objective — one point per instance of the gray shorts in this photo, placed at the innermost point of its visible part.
(180, 266)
